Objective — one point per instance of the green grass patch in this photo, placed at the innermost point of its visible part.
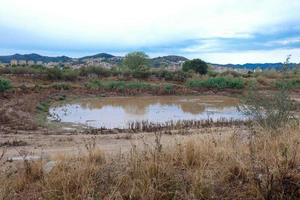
(217, 83)
(289, 84)
(118, 85)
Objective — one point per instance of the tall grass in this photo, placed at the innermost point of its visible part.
(217, 83)
(201, 167)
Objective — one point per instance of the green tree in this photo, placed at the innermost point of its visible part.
(136, 61)
(197, 65)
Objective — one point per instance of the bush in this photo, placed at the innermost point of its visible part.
(94, 84)
(70, 75)
(98, 71)
(169, 88)
(269, 111)
(54, 73)
(4, 85)
(217, 83)
(197, 65)
(141, 73)
(171, 76)
(289, 84)
(22, 70)
(212, 73)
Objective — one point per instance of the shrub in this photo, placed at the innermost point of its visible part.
(99, 71)
(197, 65)
(169, 88)
(289, 84)
(171, 76)
(217, 83)
(269, 111)
(4, 85)
(94, 84)
(179, 76)
(70, 75)
(212, 73)
(141, 73)
(22, 70)
(54, 73)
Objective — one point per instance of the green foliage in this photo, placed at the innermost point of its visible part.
(171, 76)
(118, 85)
(4, 85)
(70, 75)
(197, 65)
(55, 73)
(141, 73)
(62, 74)
(18, 70)
(289, 84)
(217, 83)
(212, 73)
(136, 61)
(98, 71)
(94, 84)
(169, 88)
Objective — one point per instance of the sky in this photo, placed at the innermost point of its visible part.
(217, 31)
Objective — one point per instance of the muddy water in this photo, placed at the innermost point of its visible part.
(117, 112)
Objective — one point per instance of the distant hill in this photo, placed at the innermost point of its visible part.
(252, 66)
(171, 58)
(34, 57)
(100, 55)
(166, 60)
(162, 61)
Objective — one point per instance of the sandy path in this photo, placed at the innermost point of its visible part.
(51, 145)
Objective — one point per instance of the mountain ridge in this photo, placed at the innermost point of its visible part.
(155, 62)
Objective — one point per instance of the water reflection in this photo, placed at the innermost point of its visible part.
(112, 112)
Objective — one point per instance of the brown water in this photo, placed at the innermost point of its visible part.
(117, 112)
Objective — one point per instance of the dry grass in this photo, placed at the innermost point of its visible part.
(233, 166)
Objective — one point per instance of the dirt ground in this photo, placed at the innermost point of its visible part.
(46, 146)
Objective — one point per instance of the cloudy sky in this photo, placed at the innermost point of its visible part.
(219, 31)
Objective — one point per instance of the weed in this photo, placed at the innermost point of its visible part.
(4, 85)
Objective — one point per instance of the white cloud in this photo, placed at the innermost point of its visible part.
(285, 41)
(277, 55)
(143, 23)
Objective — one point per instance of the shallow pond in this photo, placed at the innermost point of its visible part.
(117, 112)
